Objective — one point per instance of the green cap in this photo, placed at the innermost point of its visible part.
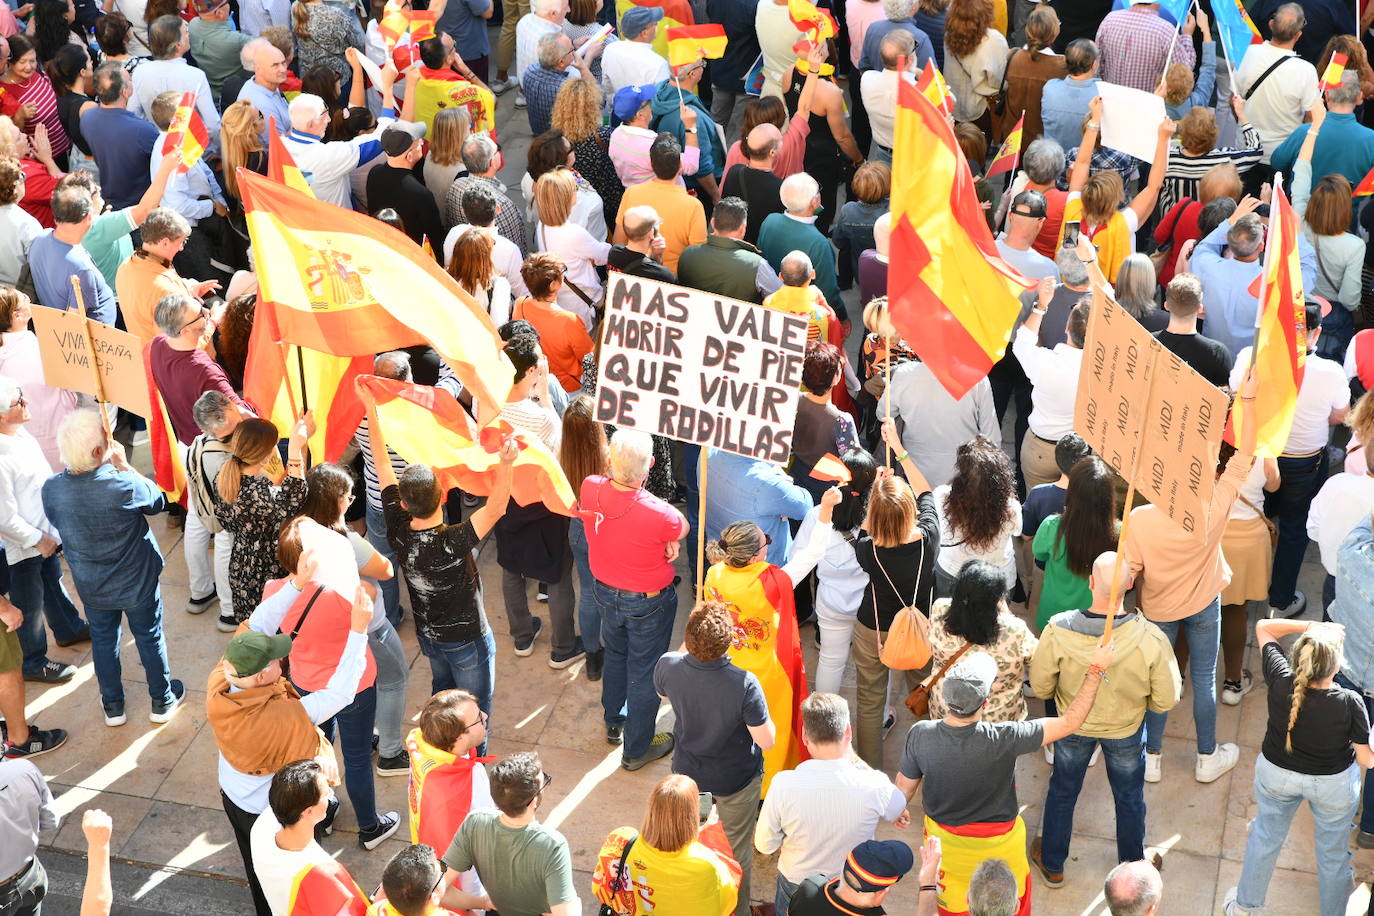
(248, 653)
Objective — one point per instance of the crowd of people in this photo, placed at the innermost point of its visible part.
(762, 174)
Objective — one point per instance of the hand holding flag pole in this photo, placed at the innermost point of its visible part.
(95, 364)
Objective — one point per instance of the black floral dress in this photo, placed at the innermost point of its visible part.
(255, 518)
(594, 164)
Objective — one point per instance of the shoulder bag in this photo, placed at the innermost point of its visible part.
(621, 881)
(1272, 528)
(918, 701)
(1254, 87)
(908, 639)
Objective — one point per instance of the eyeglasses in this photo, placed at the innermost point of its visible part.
(548, 780)
(19, 400)
(482, 720)
(204, 314)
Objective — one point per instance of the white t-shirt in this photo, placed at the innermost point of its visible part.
(1343, 502)
(1253, 490)
(879, 90)
(631, 63)
(277, 868)
(1278, 106)
(1324, 389)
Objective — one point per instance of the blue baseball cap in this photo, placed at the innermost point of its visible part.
(629, 100)
(639, 18)
(876, 865)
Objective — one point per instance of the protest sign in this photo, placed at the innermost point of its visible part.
(1150, 416)
(700, 368)
(1130, 120)
(108, 367)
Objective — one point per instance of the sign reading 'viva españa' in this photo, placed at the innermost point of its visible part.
(1133, 394)
(109, 366)
(699, 368)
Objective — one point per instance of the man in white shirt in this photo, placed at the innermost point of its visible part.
(815, 814)
(1344, 501)
(1024, 220)
(290, 865)
(328, 167)
(632, 61)
(544, 18)
(1054, 380)
(1278, 86)
(1323, 402)
(879, 89)
(168, 71)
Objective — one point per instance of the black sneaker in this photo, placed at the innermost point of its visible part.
(39, 743)
(162, 714)
(525, 647)
(595, 662)
(660, 746)
(615, 734)
(560, 660)
(200, 605)
(326, 827)
(372, 837)
(83, 636)
(52, 673)
(226, 622)
(394, 766)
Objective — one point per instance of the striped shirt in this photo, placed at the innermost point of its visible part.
(373, 488)
(1181, 180)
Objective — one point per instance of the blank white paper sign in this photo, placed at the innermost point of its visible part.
(1130, 120)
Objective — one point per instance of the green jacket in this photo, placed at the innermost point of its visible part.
(726, 267)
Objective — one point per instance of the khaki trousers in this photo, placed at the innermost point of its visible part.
(1037, 461)
(871, 677)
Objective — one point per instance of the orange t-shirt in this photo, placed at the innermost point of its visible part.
(562, 336)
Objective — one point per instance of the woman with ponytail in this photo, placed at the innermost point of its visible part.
(1316, 742)
(256, 496)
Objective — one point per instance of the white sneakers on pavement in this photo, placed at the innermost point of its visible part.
(1153, 763)
(1211, 767)
(1232, 692)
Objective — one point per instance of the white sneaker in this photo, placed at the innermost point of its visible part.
(1097, 755)
(1230, 907)
(1232, 692)
(519, 98)
(1211, 767)
(1153, 765)
(499, 87)
(1049, 754)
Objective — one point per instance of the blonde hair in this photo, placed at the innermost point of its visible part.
(670, 823)
(239, 138)
(1178, 83)
(451, 126)
(1102, 195)
(737, 545)
(892, 513)
(1316, 656)
(1222, 180)
(254, 441)
(554, 195)
(577, 110)
(9, 137)
(300, 20)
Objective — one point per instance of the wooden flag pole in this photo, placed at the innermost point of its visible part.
(95, 364)
(701, 518)
(286, 377)
(1270, 252)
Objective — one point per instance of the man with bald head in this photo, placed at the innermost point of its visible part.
(753, 180)
(642, 253)
(1133, 889)
(1144, 679)
(264, 90)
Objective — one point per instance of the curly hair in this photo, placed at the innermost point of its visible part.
(11, 180)
(235, 327)
(967, 25)
(1087, 527)
(976, 505)
(577, 110)
(709, 631)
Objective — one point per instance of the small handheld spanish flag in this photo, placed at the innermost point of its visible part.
(1366, 186)
(186, 134)
(398, 20)
(1005, 160)
(1331, 79)
(831, 468)
(688, 44)
(808, 17)
(932, 85)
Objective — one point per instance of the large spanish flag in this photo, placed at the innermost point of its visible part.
(440, 791)
(1280, 353)
(950, 294)
(186, 133)
(964, 848)
(766, 642)
(168, 471)
(281, 165)
(326, 889)
(427, 425)
(349, 285)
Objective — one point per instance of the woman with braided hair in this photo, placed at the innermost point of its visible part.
(1315, 743)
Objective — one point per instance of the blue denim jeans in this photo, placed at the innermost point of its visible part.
(390, 588)
(469, 666)
(635, 631)
(36, 589)
(1367, 812)
(1125, 762)
(355, 738)
(588, 611)
(145, 623)
(393, 671)
(1203, 632)
(691, 478)
(782, 895)
(1302, 478)
(1278, 792)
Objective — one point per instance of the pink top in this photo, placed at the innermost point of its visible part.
(627, 539)
(789, 161)
(858, 16)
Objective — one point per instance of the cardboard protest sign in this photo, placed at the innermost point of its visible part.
(108, 367)
(62, 347)
(119, 355)
(1136, 396)
(700, 368)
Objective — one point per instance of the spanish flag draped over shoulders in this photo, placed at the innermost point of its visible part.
(949, 291)
(441, 791)
(766, 643)
(326, 889)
